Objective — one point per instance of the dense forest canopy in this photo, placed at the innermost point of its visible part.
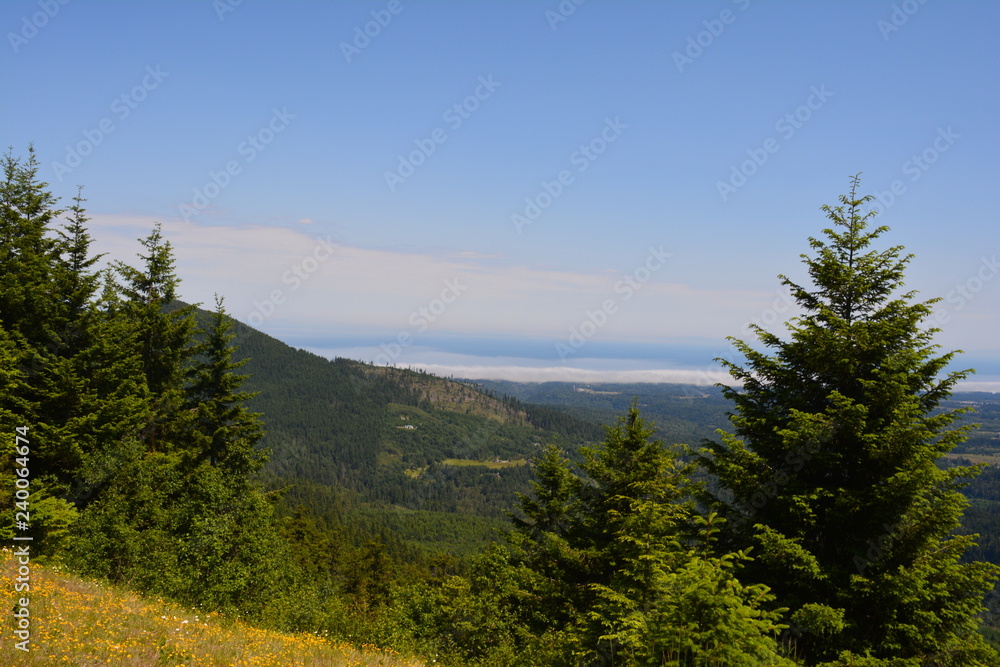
(821, 526)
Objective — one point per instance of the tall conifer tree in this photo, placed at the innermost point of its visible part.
(623, 569)
(29, 306)
(224, 432)
(79, 283)
(830, 472)
(164, 335)
(45, 291)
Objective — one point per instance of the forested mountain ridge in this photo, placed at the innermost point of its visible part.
(134, 454)
(341, 425)
(380, 437)
(688, 413)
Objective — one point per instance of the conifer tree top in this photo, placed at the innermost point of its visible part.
(851, 281)
(834, 447)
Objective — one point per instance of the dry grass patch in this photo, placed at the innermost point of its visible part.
(76, 622)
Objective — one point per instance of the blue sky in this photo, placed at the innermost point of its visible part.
(533, 190)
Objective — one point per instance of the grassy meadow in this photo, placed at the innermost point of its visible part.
(78, 622)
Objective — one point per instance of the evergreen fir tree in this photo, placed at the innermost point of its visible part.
(164, 337)
(830, 472)
(224, 432)
(66, 399)
(79, 283)
(617, 561)
(43, 315)
(11, 409)
(543, 541)
(30, 309)
(116, 405)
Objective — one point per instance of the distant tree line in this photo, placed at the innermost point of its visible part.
(829, 534)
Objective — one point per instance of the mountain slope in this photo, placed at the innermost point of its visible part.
(680, 413)
(393, 437)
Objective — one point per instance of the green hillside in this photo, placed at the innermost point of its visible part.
(822, 527)
(436, 462)
(688, 413)
(681, 413)
(367, 446)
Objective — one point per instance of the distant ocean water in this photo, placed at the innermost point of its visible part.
(539, 359)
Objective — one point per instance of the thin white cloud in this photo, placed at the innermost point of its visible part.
(594, 376)
(283, 278)
(351, 286)
(472, 254)
(582, 375)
